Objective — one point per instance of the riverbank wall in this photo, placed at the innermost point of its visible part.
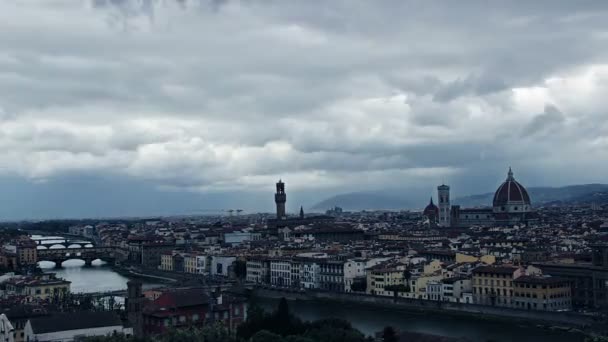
(130, 273)
(566, 320)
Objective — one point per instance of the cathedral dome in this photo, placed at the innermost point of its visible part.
(511, 196)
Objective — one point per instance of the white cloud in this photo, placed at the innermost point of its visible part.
(346, 94)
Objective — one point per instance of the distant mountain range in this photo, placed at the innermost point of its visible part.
(581, 194)
(364, 201)
(586, 193)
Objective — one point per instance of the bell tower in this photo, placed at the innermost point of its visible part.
(443, 194)
(279, 199)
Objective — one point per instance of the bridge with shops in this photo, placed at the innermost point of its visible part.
(63, 242)
(88, 254)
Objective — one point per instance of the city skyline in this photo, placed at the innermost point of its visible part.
(124, 108)
(303, 170)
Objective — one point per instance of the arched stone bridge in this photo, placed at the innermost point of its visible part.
(59, 255)
(63, 242)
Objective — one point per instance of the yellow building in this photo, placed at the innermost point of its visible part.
(433, 271)
(153, 294)
(433, 267)
(465, 258)
(166, 261)
(379, 278)
(542, 293)
(493, 285)
(27, 254)
(45, 287)
(418, 284)
(190, 263)
(8, 260)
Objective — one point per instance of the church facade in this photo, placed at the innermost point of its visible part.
(511, 206)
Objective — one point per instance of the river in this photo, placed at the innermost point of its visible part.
(97, 278)
(370, 320)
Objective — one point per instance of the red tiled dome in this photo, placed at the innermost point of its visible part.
(511, 192)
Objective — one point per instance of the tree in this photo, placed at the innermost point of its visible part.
(256, 319)
(359, 285)
(240, 269)
(333, 330)
(180, 335)
(216, 333)
(87, 303)
(597, 339)
(283, 308)
(389, 334)
(266, 336)
(407, 275)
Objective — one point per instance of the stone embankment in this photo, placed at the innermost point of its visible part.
(565, 320)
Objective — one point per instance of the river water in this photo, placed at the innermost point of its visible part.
(97, 278)
(370, 320)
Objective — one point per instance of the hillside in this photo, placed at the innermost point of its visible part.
(587, 193)
(363, 201)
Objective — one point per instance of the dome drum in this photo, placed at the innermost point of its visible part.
(511, 197)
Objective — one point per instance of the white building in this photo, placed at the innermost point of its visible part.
(331, 275)
(280, 273)
(221, 265)
(454, 289)
(240, 236)
(309, 274)
(434, 290)
(356, 269)
(202, 264)
(7, 332)
(258, 270)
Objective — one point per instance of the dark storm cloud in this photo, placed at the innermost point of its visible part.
(545, 121)
(471, 85)
(228, 95)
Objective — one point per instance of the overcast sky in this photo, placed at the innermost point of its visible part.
(119, 107)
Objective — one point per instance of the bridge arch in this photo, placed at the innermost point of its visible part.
(56, 246)
(86, 262)
(90, 254)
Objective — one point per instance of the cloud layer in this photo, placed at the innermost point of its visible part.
(346, 95)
